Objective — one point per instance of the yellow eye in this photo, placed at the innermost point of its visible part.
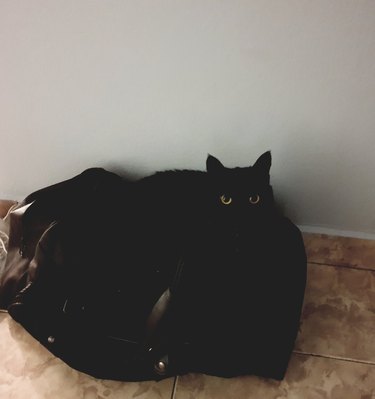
(225, 200)
(254, 199)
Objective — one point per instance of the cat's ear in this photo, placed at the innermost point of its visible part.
(213, 165)
(263, 163)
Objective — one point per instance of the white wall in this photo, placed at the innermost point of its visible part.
(142, 85)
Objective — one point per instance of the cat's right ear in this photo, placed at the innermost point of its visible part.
(213, 165)
(263, 163)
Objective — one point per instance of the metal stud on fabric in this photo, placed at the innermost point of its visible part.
(160, 367)
(51, 339)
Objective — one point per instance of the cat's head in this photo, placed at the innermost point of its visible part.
(241, 193)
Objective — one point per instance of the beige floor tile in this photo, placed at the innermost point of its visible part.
(307, 378)
(338, 316)
(341, 251)
(29, 371)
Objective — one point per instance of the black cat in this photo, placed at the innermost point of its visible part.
(173, 210)
(181, 200)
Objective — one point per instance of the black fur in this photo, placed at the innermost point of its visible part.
(174, 208)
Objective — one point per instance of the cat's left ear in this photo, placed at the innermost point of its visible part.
(263, 163)
(213, 165)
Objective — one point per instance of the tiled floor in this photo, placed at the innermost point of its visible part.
(334, 354)
(335, 351)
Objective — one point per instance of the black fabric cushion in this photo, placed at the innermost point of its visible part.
(86, 291)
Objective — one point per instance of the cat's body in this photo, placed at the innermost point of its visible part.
(189, 191)
(220, 207)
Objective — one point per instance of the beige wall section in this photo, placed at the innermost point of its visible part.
(145, 85)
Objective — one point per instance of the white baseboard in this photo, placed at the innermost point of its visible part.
(336, 232)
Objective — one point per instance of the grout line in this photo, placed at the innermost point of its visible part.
(344, 359)
(343, 266)
(174, 389)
